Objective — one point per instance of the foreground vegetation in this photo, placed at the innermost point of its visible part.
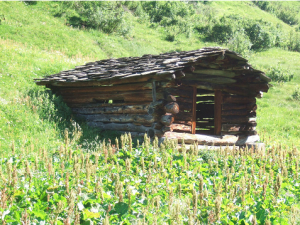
(150, 184)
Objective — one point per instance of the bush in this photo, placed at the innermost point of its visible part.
(294, 41)
(278, 74)
(259, 36)
(264, 5)
(296, 94)
(106, 16)
(240, 42)
(221, 33)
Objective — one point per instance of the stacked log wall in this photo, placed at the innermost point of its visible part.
(238, 115)
(124, 108)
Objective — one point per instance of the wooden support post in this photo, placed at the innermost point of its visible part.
(218, 111)
(154, 91)
(194, 110)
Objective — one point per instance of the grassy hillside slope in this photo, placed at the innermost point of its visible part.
(34, 43)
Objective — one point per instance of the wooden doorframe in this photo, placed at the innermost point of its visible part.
(218, 111)
(194, 110)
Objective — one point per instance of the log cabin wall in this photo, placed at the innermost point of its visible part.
(206, 91)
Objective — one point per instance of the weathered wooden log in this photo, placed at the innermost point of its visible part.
(209, 72)
(157, 125)
(175, 127)
(218, 111)
(187, 123)
(100, 105)
(153, 91)
(184, 116)
(239, 91)
(256, 87)
(130, 109)
(167, 120)
(239, 127)
(254, 132)
(102, 89)
(156, 108)
(117, 118)
(132, 96)
(126, 79)
(212, 139)
(238, 99)
(237, 119)
(202, 85)
(211, 79)
(248, 78)
(119, 126)
(172, 108)
(249, 106)
(181, 92)
(259, 94)
(184, 100)
(185, 107)
(237, 112)
(152, 133)
(166, 128)
(170, 98)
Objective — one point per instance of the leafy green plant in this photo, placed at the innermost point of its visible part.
(278, 74)
(296, 94)
(149, 184)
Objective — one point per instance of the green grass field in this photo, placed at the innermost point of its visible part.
(34, 43)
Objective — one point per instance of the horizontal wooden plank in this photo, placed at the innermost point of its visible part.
(212, 72)
(185, 116)
(185, 106)
(103, 89)
(118, 118)
(184, 100)
(180, 92)
(188, 123)
(212, 139)
(239, 127)
(239, 133)
(130, 109)
(211, 79)
(126, 79)
(181, 127)
(249, 106)
(238, 99)
(134, 96)
(237, 112)
(100, 105)
(235, 119)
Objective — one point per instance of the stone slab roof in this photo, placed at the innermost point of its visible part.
(126, 67)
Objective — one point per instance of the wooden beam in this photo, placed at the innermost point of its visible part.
(154, 91)
(194, 110)
(218, 111)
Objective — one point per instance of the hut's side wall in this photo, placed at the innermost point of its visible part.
(238, 115)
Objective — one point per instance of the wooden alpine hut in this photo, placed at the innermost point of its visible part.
(206, 95)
